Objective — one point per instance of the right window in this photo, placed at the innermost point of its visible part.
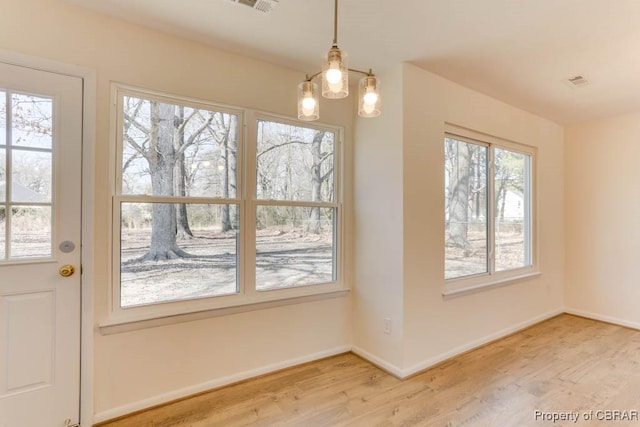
(488, 211)
(296, 206)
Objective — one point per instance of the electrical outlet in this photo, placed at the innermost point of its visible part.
(387, 325)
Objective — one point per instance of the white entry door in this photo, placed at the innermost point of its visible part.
(40, 207)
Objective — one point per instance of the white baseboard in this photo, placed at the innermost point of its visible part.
(425, 364)
(380, 363)
(602, 318)
(209, 385)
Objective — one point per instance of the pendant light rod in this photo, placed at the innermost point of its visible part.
(351, 70)
(364, 73)
(335, 24)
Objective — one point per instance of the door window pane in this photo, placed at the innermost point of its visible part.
(32, 173)
(174, 150)
(3, 228)
(465, 208)
(3, 175)
(32, 121)
(295, 246)
(512, 210)
(294, 163)
(30, 232)
(3, 117)
(172, 252)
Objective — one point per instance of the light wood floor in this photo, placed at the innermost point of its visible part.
(564, 364)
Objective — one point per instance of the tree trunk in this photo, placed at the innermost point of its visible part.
(162, 158)
(229, 147)
(314, 226)
(180, 177)
(233, 164)
(459, 190)
(477, 186)
(502, 193)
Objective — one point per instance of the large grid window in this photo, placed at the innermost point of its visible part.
(488, 209)
(215, 206)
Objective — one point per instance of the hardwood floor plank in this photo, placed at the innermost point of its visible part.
(565, 364)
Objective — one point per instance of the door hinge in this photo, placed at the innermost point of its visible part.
(69, 423)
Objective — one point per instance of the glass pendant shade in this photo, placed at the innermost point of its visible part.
(308, 101)
(369, 97)
(335, 83)
(335, 74)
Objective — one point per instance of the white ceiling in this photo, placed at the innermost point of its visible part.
(518, 51)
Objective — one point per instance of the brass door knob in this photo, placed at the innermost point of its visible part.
(67, 270)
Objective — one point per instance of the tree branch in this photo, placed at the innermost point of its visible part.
(195, 135)
(131, 119)
(135, 145)
(325, 157)
(326, 175)
(273, 147)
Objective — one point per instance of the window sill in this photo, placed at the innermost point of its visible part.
(459, 289)
(116, 326)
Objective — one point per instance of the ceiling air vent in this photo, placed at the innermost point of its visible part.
(259, 5)
(577, 81)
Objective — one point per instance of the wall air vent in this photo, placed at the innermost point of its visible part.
(259, 5)
(577, 81)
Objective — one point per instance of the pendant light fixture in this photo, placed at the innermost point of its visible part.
(335, 83)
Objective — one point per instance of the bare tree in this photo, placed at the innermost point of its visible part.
(317, 180)
(295, 164)
(163, 147)
(182, 178)
(161, 156)
(459, 185)
(228, 142)
(183, 229)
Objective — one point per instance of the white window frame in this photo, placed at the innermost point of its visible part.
(336, 204)
(248, 297)
(492, 278)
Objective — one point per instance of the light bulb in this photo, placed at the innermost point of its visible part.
(308, 101)
(370, 98)
(334, 75)
(335, 78)
(308, 105)
(369, 103)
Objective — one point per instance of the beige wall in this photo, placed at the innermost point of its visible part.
(138, 367)
(603, 219)
(435, 327)
(405, 152)
(378, 244)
